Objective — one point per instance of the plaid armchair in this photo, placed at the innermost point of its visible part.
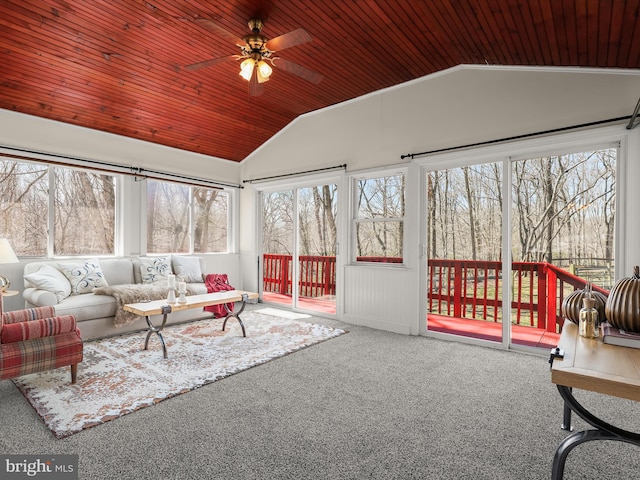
(34, 340)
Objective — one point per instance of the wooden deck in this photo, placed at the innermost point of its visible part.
(530, 336)
(320, 305)
(520, 335)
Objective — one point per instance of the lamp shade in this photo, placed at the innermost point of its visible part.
(246, 68)
(7, 255)
(264, 71)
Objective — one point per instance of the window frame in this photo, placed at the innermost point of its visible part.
(230, 226)
(355, 219)
(506, 153)
(50, 251)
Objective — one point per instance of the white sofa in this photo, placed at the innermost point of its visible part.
(57, 283)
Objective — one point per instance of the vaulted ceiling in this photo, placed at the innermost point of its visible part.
(119, 66)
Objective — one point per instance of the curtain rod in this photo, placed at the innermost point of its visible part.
(343, 166)
(516, 137)
(112, 167)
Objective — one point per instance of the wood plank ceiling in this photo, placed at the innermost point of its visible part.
(118, 65)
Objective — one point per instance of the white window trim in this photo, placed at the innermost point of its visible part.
(369, 174)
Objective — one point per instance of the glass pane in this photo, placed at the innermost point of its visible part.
(167, 217)
(563, 236)
(379, 241)
(277, 246)
(84, 207)
(210, 214)
(464, 238)
(24, 206)
(317, 225)
(381, 197)
(379, 226)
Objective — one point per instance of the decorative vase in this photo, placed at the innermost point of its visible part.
(572, 304)
(622, 309)
(588, 325)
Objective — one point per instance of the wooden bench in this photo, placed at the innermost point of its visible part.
(161, 307)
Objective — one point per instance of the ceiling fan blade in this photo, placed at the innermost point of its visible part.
(291, 39)
(214, 27)
(299, 70)
(208, 63)
(255, 88)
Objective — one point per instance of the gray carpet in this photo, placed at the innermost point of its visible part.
(366, 405)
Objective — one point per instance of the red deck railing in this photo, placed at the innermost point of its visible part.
(458, 288)
(473, 289)
(317, 275)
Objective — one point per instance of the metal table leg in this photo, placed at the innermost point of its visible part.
(230, 314)
(166, 310)
(603, 431)
(566, 417)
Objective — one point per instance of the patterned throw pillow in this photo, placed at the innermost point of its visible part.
(154, 269)
(84, 276)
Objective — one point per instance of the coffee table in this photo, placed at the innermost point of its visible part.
(161, 307)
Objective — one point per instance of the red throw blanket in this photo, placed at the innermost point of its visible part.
(218, 282)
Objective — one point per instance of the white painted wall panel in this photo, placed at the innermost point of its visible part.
(380, 297)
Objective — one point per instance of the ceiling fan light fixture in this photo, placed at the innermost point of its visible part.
(246, 68)
(264, 71)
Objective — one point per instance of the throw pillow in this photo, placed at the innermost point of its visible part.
(154, 269)
(50, 279)
(84, 276)
(188, 268)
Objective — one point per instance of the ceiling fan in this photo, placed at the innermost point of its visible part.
(257, 53)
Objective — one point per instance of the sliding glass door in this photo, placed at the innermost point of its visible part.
(563, 217)
(464, 258)
(299, 241)
(507, 241)
(278, 240)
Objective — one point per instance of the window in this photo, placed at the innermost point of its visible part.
(24, 206)
(171, 228)
(83, 206)
(379, 219)
(211, 220)
(84, 212)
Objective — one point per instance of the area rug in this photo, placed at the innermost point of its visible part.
(117, 376)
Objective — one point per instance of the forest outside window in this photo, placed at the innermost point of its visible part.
(185, 219)
(379, 217)
(82, 202)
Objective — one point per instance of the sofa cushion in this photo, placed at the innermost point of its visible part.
(87, 306)
(198, 288)
(154, 269)
(188, 268)
(117, 271)
(41, 298)
(52, 280)
(84, 276)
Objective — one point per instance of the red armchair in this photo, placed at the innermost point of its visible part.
(34, 340)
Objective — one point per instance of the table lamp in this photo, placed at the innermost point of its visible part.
(7, 255)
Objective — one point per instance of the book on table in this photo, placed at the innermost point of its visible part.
(616, 336)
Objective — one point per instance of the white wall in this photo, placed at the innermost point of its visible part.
(42, 135)
(461, 106)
